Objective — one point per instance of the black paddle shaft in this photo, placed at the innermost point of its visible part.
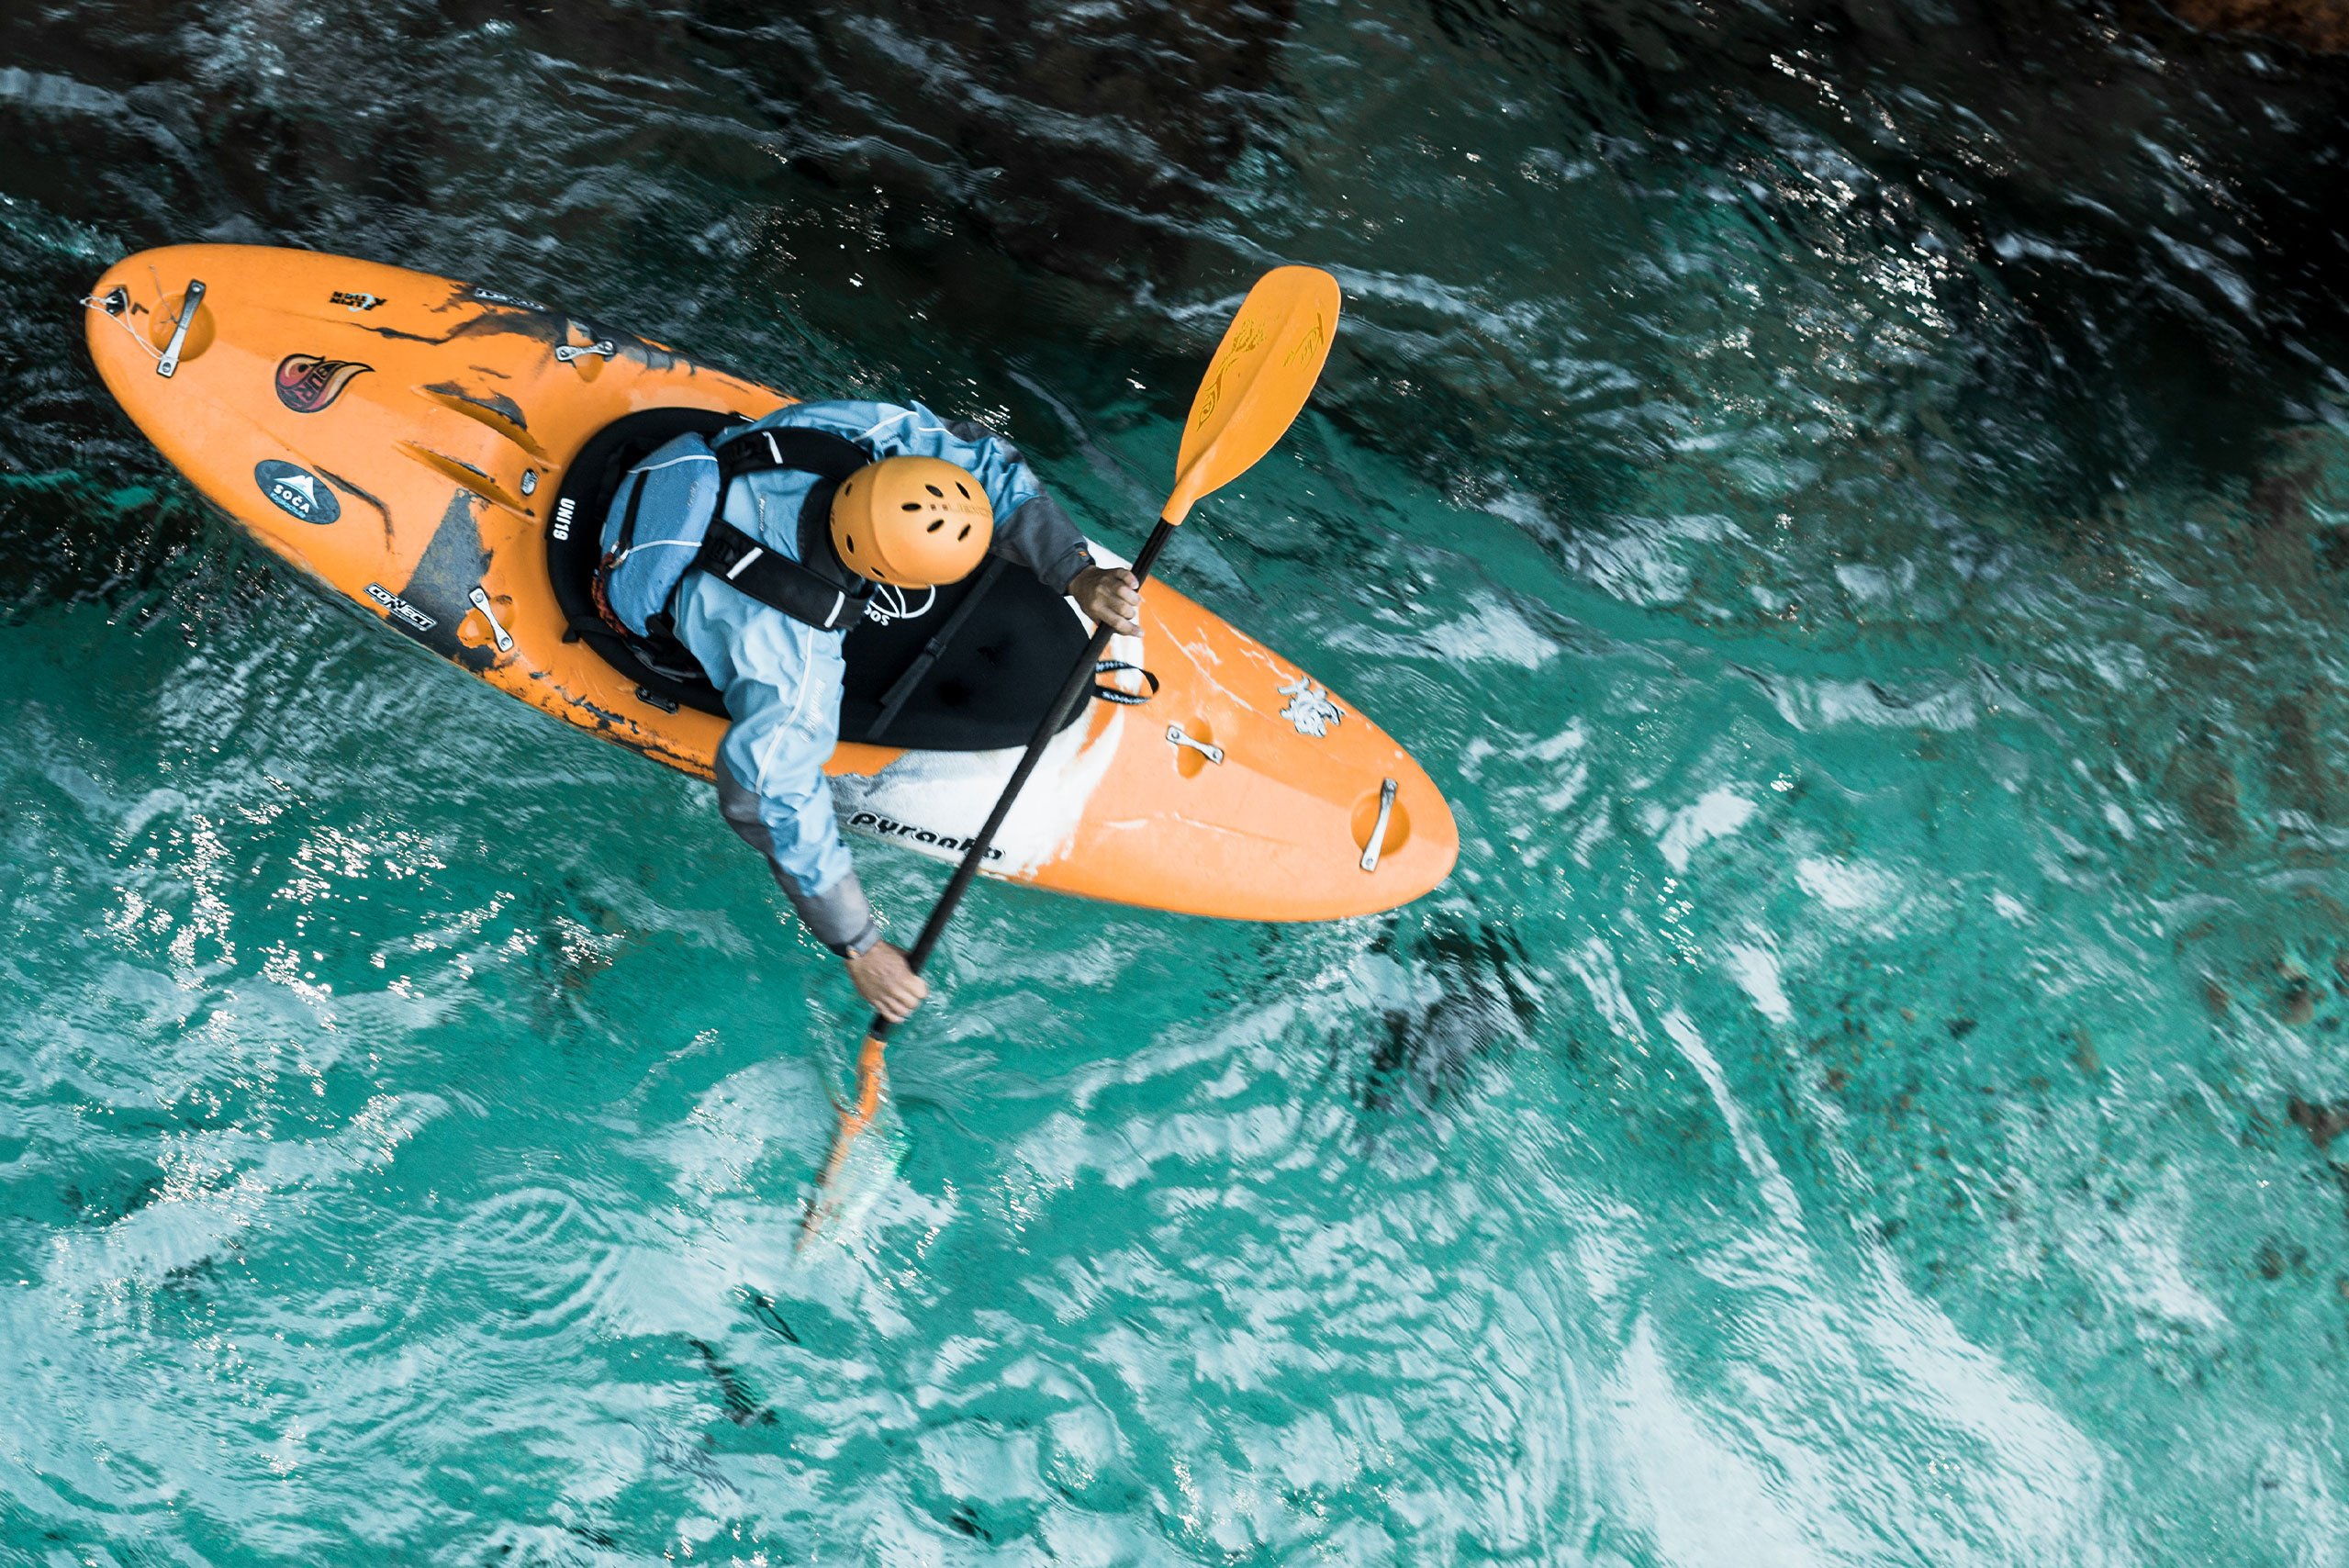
(1079, 680)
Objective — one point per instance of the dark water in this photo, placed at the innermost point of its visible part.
(1853, 503)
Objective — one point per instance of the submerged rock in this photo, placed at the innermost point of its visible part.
(2322, 1122)
(2319, 25)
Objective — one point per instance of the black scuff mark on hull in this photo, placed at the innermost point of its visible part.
(623, 730)
(394, 334)
(479, 297)
(339, 483)
(498, 403)
(493, 322)
(605, 717)
(486, 370)
(451, 566)
(626, 733)
(554, 329)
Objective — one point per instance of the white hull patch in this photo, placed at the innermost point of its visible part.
(934, 802)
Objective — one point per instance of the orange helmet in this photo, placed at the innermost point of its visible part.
(912, 522)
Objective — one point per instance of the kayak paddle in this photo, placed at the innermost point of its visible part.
(1255, 387)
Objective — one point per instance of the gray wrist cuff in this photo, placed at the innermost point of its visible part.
(839, 916)
(856, 947)
(1065, 573)
(1042, 537)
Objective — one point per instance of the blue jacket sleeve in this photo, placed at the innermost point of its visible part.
(781, 682)
(1030, 527)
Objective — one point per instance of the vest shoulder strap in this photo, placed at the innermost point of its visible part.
(829, 599)
(627, 540)
(776, 581)
(821, 452)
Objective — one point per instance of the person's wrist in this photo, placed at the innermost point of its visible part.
(856, 947)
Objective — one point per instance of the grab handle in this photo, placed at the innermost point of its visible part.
(169, 363)
(1378, 828)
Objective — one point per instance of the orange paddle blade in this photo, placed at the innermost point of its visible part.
(1264, 371)
(871, 1077)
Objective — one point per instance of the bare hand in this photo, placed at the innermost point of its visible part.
(1112, 596)
(884, 979)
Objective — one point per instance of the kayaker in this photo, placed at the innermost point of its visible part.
(830, 511)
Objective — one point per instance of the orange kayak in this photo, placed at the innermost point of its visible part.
(442, 455)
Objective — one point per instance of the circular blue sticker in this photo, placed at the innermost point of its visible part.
(297, 490)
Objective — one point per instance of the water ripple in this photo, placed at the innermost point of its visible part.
(1853, 511)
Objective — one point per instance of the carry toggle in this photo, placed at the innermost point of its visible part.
(481, 602)
(1212, 753)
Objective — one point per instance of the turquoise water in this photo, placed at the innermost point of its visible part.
(1852, 508)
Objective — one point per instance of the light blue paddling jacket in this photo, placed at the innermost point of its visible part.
(782, 678)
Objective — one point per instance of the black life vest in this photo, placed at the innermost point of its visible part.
(818, 588)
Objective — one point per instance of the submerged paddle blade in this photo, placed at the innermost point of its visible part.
(825, 1204)
(1264, 371)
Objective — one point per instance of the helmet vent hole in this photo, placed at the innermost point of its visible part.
(935, 491)
(964, 534)
(852, 543)
(963, 488)
(935, 524)
(911, 506)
